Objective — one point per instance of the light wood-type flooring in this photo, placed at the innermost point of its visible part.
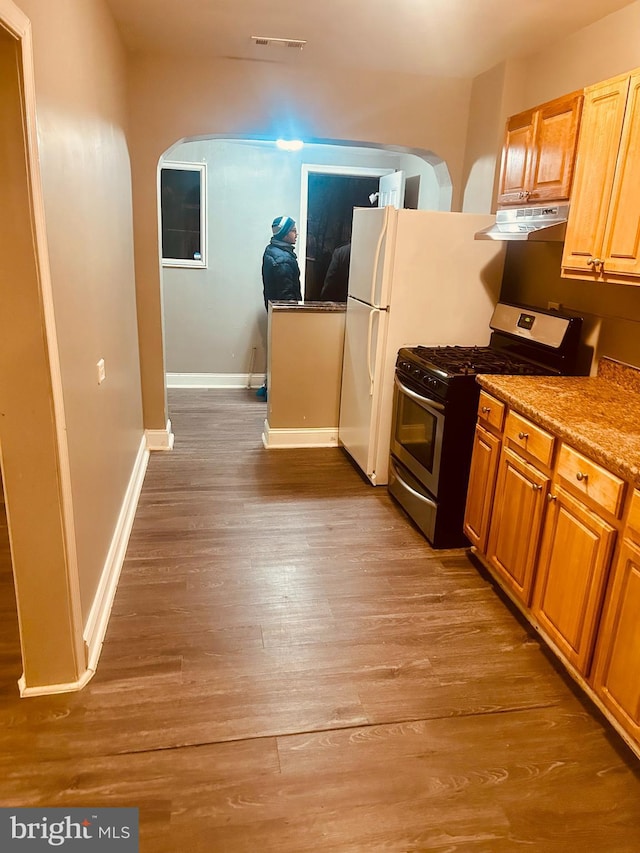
(289, 667)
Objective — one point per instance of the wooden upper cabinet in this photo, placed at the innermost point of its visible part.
(539, 151)
(602, 242)
(516, 159)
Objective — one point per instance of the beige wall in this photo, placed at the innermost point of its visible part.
(171, 100)
(30, 451)
(80, 82)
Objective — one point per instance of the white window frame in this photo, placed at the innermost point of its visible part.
(177, 165)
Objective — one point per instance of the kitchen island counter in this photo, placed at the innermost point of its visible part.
(597, 415)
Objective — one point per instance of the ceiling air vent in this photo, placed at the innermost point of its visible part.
(266, 41)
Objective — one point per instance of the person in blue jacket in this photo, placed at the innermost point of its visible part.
(280, 270)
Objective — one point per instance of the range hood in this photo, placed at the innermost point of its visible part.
(528, 223)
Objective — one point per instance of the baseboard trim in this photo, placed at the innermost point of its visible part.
(96, 626)
(98, 619)
(159, 439)
(50, 689)
(283, 439)
(215, 380)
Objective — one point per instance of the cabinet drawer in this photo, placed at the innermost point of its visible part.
(524, 434)
(491, 410)
(591, 480)
(633, 522)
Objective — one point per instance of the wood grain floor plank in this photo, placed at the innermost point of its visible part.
(290, 667)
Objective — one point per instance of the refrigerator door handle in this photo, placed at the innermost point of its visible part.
(376, 257)
(372, 314)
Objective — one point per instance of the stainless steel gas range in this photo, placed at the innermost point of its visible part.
(435, 404)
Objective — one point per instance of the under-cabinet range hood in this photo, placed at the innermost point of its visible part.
(528, 223)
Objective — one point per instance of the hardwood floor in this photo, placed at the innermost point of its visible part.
(289, 667)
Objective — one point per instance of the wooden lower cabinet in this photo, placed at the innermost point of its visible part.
(516, 523)
(572, 574)
(482, 480)
(545, 520)
(617, 667)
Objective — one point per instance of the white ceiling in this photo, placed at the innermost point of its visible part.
(448, 38)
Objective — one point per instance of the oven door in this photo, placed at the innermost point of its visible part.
(416, 434)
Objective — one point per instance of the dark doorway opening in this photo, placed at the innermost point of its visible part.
(331, 199)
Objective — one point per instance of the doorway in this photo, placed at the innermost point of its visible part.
(330, 203)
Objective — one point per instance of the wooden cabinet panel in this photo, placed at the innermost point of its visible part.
(516, 158)
(633, 521)
(622, 237)
(516, 523)
(482, 479)
(491, 410)
(538, 154)
(527, 436)
(617, 674)
(602, 241)
(591, 480)
(572, 573)
(556, 136)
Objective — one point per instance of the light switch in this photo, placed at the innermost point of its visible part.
(102, 374)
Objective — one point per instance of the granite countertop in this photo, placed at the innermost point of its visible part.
(327, 307)
(598, 415)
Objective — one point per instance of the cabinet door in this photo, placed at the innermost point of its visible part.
(515, 167)
(516, 523)
(617, 676)
(554, 149)
(482, 479)
(599, 139)
(622, 238)
(569, 590)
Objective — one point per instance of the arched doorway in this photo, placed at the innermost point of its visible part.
(214, 319)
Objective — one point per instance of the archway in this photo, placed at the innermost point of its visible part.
(214, 320)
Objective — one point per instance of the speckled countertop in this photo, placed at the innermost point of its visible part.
(598, 415)
(328, 307)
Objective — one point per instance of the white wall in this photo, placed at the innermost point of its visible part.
(215, 317)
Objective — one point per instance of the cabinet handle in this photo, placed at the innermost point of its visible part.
(486, 409)
(551, 497)
(536, 487)
(580, 477)
(595, 262)
(524, 435)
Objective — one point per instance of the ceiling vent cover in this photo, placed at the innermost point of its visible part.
(267, 41)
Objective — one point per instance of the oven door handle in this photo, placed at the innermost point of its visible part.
(425, 402)
(411, 490)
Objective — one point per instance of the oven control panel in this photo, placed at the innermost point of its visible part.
(421, 379)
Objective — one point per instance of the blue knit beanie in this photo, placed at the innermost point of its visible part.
(281, 226)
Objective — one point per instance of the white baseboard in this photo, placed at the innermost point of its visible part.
(215, 380)
(50, 689)
(98, 619)
(159, 439)
(291, 438)
(96, 625)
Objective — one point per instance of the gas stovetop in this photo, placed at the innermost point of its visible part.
(449, 362)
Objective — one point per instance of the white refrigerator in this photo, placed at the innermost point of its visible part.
(415, 277)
